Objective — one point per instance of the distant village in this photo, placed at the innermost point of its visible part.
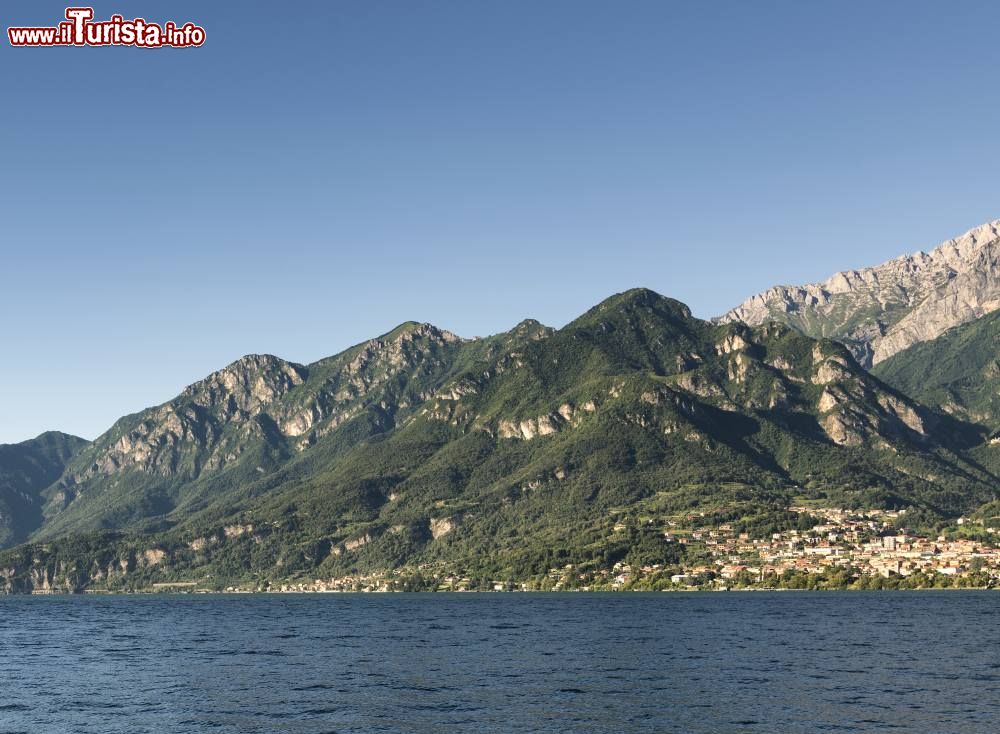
(847, 548)
(864, 543)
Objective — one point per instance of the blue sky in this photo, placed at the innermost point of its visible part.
(311, 177)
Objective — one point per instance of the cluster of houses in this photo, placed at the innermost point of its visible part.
(396, 580)
(864, 541)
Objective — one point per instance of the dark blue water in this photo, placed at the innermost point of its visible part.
(752, 662)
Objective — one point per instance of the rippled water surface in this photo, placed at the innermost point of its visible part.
(753, 662)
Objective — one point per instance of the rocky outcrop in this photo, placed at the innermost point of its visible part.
(755, 373)
(248, 385)
(853, 408)
(882, 310)
(261, 400)
(153, 557)
(544, 425)
(969, 294)
(441, 526)
(205, 428)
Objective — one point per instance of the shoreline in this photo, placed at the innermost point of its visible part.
(549, 592)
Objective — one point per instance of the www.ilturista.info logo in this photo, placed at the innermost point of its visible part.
(79, 29)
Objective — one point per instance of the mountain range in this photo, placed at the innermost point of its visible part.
(880, 311)
(504, 456)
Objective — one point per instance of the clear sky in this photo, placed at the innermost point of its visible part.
(318, 172)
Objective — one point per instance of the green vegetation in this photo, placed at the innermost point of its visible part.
(958, 372)
(25, 470)
(493, 459)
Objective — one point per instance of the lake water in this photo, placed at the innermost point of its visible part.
(736, 662)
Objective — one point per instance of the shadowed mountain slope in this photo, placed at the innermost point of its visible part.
(25, 470)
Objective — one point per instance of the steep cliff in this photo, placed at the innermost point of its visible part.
(882, 310)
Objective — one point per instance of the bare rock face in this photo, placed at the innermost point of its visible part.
(191, 426)
(879, 311)
(248, 384)
(338, 387)
(567, 416)
(441, 526)
(771, 368)
(854, 408)
(543, 425)
(153, 557)
(359, 542)
(260, 400)
(969, 295)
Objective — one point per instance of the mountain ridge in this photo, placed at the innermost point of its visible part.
(958, 372)
(26, 469)
(880, 310)
(419, 447)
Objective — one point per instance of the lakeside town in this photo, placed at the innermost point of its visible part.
(843, 549)
(854, 545)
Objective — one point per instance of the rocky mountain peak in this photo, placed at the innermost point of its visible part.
(881, 310)
(401, 346)
(248, 384)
